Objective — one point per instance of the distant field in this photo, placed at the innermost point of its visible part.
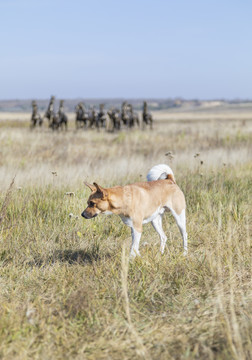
(66, 292)
(243, 112)
(187, 112)
(32, 155)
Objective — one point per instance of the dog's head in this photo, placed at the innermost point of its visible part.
(97, 202)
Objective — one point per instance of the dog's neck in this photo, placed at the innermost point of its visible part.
(119, 205)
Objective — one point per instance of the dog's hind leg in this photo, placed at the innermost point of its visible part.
(157, 224)
(136, 236)
(181, 222)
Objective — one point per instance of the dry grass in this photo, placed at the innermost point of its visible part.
(33, 155)
(67, 290)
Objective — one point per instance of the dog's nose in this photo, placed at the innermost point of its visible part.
(83, 214)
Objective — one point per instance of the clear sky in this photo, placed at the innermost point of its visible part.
(142, 48)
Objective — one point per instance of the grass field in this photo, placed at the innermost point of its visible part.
(67, 290)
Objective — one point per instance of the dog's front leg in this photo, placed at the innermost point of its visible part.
(136, 236)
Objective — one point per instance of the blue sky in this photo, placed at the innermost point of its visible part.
(131, 49)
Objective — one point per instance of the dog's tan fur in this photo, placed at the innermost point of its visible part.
(139, 203)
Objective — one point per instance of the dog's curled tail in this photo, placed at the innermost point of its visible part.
(161, 172)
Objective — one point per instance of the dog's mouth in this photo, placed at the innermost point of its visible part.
(87, 216)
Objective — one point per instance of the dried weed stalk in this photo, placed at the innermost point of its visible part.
(6, 201)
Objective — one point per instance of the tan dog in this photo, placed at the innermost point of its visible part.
(140, 203)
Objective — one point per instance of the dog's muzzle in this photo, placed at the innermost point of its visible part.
(88, 217)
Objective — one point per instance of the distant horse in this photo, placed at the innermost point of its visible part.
(62, 121)
(129, 118)
(125, 116)
(101, 117)
(92, 118)
(59, 120)
(62, 118)
(50, 114)
(52, 119)
(115, 119)
(147, 117)
(81, 116)
(133, 117)
(36, 119)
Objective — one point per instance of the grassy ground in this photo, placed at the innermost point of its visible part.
(67, 290)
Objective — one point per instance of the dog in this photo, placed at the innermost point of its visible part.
(140, 203)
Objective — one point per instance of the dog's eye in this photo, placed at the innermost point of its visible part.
(91, 204)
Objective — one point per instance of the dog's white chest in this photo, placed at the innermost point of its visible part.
(107, 212)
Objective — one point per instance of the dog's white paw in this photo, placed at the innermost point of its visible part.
(134, 254)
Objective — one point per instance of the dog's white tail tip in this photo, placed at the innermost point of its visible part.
(160, 172)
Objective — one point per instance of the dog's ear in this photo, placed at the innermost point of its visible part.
(91, 187)
(101, 190)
